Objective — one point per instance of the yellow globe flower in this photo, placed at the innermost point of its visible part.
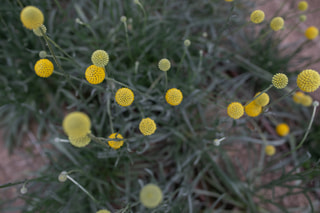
(252, 109)
(235, 110)
(81, 141)
(277, 23)
(308, 80)
(124, 97)
(115, 144)
(164, 64)
(303, 5)
(297, 97)
(103, 211)
(38, 32)
(228, 0)
(306, 100)
(147, 126)
(151, 195)
(31, 17)
(43, 68)
(95, 74)
(311, 33)
(174, 96)
(280, 80)
(270, 150)
(76, 124)
(262, 100)
(100, 58)
(257, 16)
(282, 129)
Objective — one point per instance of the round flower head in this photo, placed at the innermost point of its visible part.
(100, 58)
(280, 80)
(63, 176)
(37, 31)
(23, 190)
(302, 5)
(123, 19)
(81, 141)
(95, 74)
(302, 18)
(76, 124)
(124, 97)
(282, 129)
(174, 96)
(103, 211)
(270, 150)
(277, 23)
(308, 80)
(31, 17)
(42, 54)
(252, 109)
(147, 126)
(43, 68)
(228, 0)
(262, 100)
(257, 16)
(187, 43)
(311, 33)
(115, 144)
(297, 97)
(150, 195)
(306, 100)
(164, 64)
(235, 110)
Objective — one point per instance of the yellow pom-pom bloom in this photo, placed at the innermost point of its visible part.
(124, 97)
(252, 109)
(235, 110)
(280, 80)
(174, 96)
(297, 97)
(262, 100)
(164, 64)
(37, 31)
(277, 23)
(257, 16)
(311, 33)
(31, 17)
(270, 150)
(151, 195)
(228, 0)
(76, 124)
(282, 129)
(306, 100)
(43, 68)
(147, 126)
(95, 74)
(103, 211)
(100, 58)
(115, 144)
(308, 80)
(81, 141)
(303, 5)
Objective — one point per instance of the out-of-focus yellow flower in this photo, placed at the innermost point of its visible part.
(31, 17)
(311, 33)
(308, 80)
(270, 150)
(257, 16)
(252, 109)
(277, 23)
(282, 129)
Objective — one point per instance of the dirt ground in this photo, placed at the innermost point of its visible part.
(22, 165)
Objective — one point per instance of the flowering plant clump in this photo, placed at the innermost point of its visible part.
(164, 64)
(174, 96)
(280, 80)
(257, 16)
(277, 23)
(147, 126)
(235, 110)
(115, 144)
(124, 97)
(95, 74)
(308, 80)
(31, 17)
(43, 68)
(282, 129)
(151, 195)
(311, 33)
(100, 58)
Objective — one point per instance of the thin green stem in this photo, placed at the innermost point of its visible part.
(110, 116)
(166, 80)
(127, 39)
(82, 188)
(280, 99)
(182, 59)
(144, 16)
